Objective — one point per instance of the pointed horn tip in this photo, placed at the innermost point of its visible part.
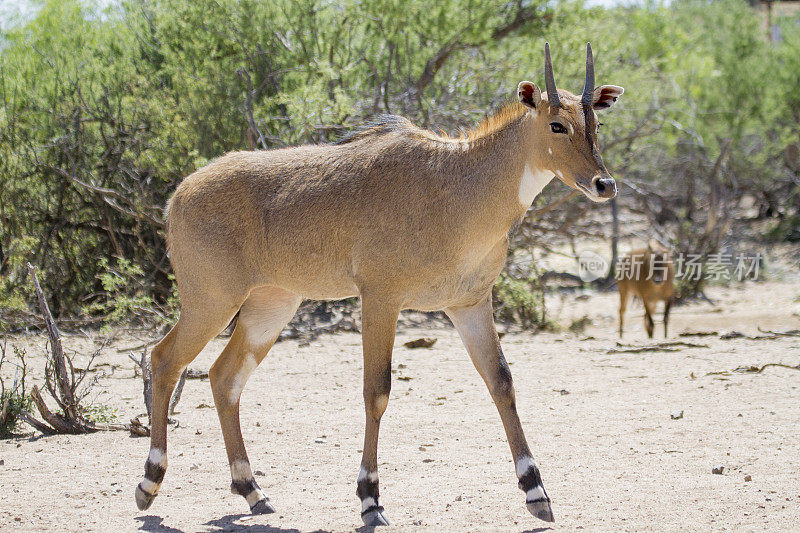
(588, 86)
(549, 79)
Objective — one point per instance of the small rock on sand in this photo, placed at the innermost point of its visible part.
(424, 342)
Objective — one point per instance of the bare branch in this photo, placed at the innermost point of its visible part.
(522, 16)
(35, 424)
(248, 107)
(176, 396)
(110, 197)
(58, 423)
(147, 388)
(61, 385)
(541, 211)
(59, 361)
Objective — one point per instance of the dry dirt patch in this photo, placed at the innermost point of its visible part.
(600, 426)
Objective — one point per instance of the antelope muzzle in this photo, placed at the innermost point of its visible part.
(604, 187)
(600, 188)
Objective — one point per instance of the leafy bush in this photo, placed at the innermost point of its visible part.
(122, 100)
(14, 399)
(520, 301)
(785, 229)
(100, 414)
(125, 295)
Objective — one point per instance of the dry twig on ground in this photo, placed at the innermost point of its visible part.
(789, 333)
(61, 383)
(143, 364)
(760, 369)
(668, 346)
(751, 369)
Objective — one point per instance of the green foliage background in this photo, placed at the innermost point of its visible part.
(105, 108)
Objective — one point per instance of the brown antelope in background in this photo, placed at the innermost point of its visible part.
(647, 273)
(398, 215)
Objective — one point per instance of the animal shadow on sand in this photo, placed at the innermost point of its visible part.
(225, 523)
(155, 523)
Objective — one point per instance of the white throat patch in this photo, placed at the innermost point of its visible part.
(531, 184)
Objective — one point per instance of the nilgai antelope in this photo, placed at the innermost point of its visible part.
(398, 215)
(647, 273)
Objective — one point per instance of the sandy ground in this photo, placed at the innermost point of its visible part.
(599, 423)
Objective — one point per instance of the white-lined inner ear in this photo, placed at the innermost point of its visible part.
(605, 96)
(529, 94)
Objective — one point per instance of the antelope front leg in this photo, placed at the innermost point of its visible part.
(667, 306)
(475, 325)
(649, 325)
(379, 321)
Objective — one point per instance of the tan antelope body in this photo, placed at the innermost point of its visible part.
(648, 274)
(394, 214)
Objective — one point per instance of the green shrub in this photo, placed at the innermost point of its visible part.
(100, 414)
(124, 295)
(15, 399)
(520, 301)
(786, 229)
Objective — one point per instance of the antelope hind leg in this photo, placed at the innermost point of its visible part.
(475, 325)
(623, 303)
(195, 327)
(262, 317)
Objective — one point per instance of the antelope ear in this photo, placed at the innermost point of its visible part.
(605, 96)
(529, 94)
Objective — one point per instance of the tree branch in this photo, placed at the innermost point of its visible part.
(523, 16)
(109, 196)
(541, 211)
(247, 108)
(59, 361)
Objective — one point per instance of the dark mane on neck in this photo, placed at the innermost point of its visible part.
(380, 125)
(507, 114)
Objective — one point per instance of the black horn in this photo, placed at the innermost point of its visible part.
(588, 85)
(549, 80)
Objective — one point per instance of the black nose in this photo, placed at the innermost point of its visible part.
(605, 187)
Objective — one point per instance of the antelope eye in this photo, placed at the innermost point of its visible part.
(557, 127)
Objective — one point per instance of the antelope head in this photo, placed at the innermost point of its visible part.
(565, 130)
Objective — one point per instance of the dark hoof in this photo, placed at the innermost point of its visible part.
(541, 510)
(374, 517)
(262, 507)
(143, 499)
